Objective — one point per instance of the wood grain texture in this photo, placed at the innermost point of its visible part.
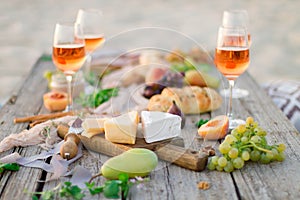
(28, 101)
(254, 181)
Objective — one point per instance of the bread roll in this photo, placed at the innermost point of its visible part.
(190, 99)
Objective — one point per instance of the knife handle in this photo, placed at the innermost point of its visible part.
(62, 130)
(69, 148)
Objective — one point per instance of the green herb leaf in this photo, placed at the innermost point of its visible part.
(111, 189)
(34, 197)
(201, 122)
(9, 166)
(48, 195)
(123, 177)
(69, 190)
(96, 98)
(94, 190)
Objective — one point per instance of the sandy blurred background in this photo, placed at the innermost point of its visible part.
(27, 29)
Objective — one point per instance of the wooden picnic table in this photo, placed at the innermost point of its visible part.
(277, 180)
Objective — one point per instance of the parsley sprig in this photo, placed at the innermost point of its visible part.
(201, 122)
(9, 167)
(111, 189)
(96, 98)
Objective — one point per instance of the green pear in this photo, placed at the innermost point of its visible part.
(134, 162)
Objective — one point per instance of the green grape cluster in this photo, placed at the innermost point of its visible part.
(246, 142)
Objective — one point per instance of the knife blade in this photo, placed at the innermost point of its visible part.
(69, 148)
(76, 126)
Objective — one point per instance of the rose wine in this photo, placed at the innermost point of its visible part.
(69, 57)
(92, 42)
(232, 61)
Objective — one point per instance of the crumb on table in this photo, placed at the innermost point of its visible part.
(203, 185)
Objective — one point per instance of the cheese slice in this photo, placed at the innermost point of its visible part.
(122, 129)
(159, 126)
(94, 125)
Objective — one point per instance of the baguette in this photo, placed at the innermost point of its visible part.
(190, 99)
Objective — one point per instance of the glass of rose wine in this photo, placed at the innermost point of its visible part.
(68, 53)
(91, 23)
(236, 18)
(232, 58)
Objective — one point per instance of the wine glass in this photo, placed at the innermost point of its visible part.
(236, 18)
(232, 59)
(68, 53)
(91, 23)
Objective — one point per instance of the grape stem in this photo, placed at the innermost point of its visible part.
(252, 144)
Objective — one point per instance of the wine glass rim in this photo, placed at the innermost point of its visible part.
(233, 27)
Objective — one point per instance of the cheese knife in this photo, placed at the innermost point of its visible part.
(69, 148)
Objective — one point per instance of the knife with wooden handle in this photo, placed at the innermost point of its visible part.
(69, 148)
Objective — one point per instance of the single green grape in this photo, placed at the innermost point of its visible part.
(281, 147)
(229, 167)
(238, 163)
(275, 153)
(219, 168)
(222, 162)
(245, 155)
(244, 139)
(224, 147)
(270, 155)
(233, 153)
(230, 139)
(281, 157)
(214, 160)
(211, 166)
(249, 120)
(236, 134)
(255, 155)
(241, 128)
(264, 159)
(254, 124)
(260, 132)
(255, 139)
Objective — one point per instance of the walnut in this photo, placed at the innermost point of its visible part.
(203, 185)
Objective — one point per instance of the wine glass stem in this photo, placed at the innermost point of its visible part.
(69, 81)
(229, 108)
(88, 61)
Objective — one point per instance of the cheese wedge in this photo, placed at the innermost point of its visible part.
(159, 126)
(122, 129)
(94, 125)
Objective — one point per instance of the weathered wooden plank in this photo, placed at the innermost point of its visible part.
(27, 101)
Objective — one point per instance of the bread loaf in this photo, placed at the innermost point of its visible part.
(190, 99)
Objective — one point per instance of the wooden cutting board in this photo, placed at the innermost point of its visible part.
(171, 150)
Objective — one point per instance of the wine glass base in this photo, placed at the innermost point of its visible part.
(236, 93)
(233, 123)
